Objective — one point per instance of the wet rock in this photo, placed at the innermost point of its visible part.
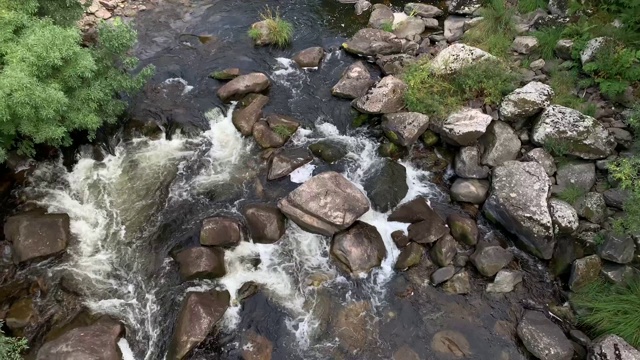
(243, 85)
(454, 28)
(564, 49)
(456, 57)
(310, 57)
(576, 174)
(97, 341)
(387, 96)
(518, 201)
(380, 16)
(588, 54)
(404, 128)
(616, 197)
(442, 274)
(386, 185)
(616, 273)
(489, 259)
(463, 127)
(221, 231)
(542, 157)
(466, 164)
(325, 204)
(201, 263)
(358, 249)
(361, 6)
(584, 271)
(427, 231)
(354, 83)
(409, 27)
(611, 347)
(405, 353)
(354, 326)
(329, 151)
(451, 344)
(226, 74)
(400, 238)
(564, 216)
(499, 144)
(371, 42)
(617, 248)
(284, 162)
(458, 284)
(37, 236)
(256, 347)
(422, 10)
(283, 125)
(592, 207)
(249, 113)
(544, 339)
(463, 229)
(526, 101)
(266, 137)
(394, 64)
(444, 250)
(414, 211)
(525, 44)
(265, 222)
(391, 150)
(566, 252)
(409, 256)
(505, 281)
(21, 314)
(581, 135)
(469, 190)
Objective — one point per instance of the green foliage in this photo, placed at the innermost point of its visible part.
(282, 131)
(564, 84)
(614, 69)
(496, 31)
(10, 348)
(279, 31)
(599, 239)
(556, 147)
(525, 6)
(571, 194)
(386, 26)
(254, 33)
(548, 38)
(610, 309)
(360, 120)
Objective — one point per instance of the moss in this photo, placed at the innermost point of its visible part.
(254, 33)
(282, 131)
(360, 120)
(392, 136)
(388, 27)
(429, 138)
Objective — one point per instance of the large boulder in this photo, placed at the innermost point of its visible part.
(518, 201)
(386, 185)
(381, 16)
(617, 248)
(387, 96)
(612, 347)
(456, 57)
(467, 164)
(463, 127)
(542, 157)
(580, 135)
(499, 144)
(94, 342)
(325, 204)
(221, 231)
(37, 236)
(310, 57)
(422, 10)
(544, 339)
(489, 259)
(358, 249)
(237, 88)
(471, 191)
(265, 222)
(201, 263)
(404, 128)
(198, 315)
(584, 271)
(414, 211)
(354, 83)
(576, 174)
(526, 101)
(409, 27)
(371, 42)
(248, 113)
(284, 162)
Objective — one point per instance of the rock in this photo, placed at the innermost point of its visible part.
(450, 344)
(391, 150)
(469, 190)
(518, 201)
(489, 259)
(98, 341)
(466, 164)
(592, 207)
(611, 347)
(427, 231)
(409, 256)
(588, 54)
(584, 271)
(525, 44)
(558, 7)
(201, 263)
(354, 83)
(622, 137)
(404, 128)
(283, 125)
(576, 174)
(21, 314)
(371, 42)
(221, 231)
(614, 273)
(582, 135)
(249, 113)
(328, 150)
(387, 96)
(454, 28)
(405, 353)
(354, 326)
(463, 229)
(442, 274)
(463, 127)
(266, 137)
(422, 10)
(37, 236)
(456, 57)
(198, 315)
(409, 27)
(544, 339)
(256, 347)
(386, 185)
(564, 216)
(444, 250)
(458, 284)
(414, 211)
(310, 57)
(394, 64)
(526, 101)
(499, 144)
(616, 197)
(617, 248)
(580, 337)
(537, 65)
(243, 85)
(463, 7)
(566, 252)
(380, 16)
(431, 24)
(505, 281)
(265, 33)
(400, 238)
(325, 204)
(265, 222)
(103, 14)
(284, 162)
(226, 74)
(564, 49)
(542, 157)
(361, 6)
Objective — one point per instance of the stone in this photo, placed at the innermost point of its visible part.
(526, 101)
(518, 201)
(489, 259)
(431, 24)
(463, 127)
(588, 54)
(221, 231)
(329, 151)
(372, 42)
(466, 164)
(256, 347)
(617, 248)
(537, 65)
(623, 137)
(559, 8)
(542, 157)
(266, 137)
(361, 6)
(566, 252)
(472, 191)
(564, 217)
(386, 184)
(584, 271)
(414, 211)
(201, 263)
(404, 128)
(283, 125)
(580, 337)
(422, 10)
(592, 207)
(394, 64)
(103, 14)
(442, 274)
(456, 57)
(98, 341)
(582, 135)
(387, 96)
(544, 339)
(464, 7)
(499, 144)
(21, 314)
(264, 38)
(454, 28)
(249, 112)
(612, 272)
(237, 88)
(450, 344)
(505, 281)
(380, 16)
(358, 249)
(444, 250)
(405, 353)
(354, 83)
(463, 229)
(400, 238)
(354, 326)
(265, 222)
(325, 204)
(409, 27)
(612, 347)
(409, 256)
(225, 74)
(616, 197)
(284, 162)
(458, 284)
(564, 49)
(36, 236)
(576, 174)
(525, 44)
(309, 58)
(199, 313)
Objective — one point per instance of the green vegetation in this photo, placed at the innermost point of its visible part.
(388, 27)
(610, 309)
(496, 31)
(10, 348)
(599, 239)
(254, 33)
(525, 6)
(614, 69)
(564, 84)
(571, 194)
(279, 31)
(556, 147)
(282, 131)
(50, 84)
(548, 38)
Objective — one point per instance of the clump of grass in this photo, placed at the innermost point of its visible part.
(525, 6)
(571, 194)
(599, 239)
(610, 309)
(496, 31)
(386, 26)
(565, 83)
(254, 33)
(279, 31)
(548, 38)
(556, 147)
(282, 131)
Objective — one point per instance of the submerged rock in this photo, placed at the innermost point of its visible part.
(451, 344)
(310, 57)
(358, 249)
(404, 128)
(386, 185)
(226, 74)
(526, 101)
(463, 127)
(489, 259)
(371, 42)
(355, 327)
(256, 347)
(405, 353)
(201, 263)
(249, 113)
(387, 96)
(544, 339)
(221, 231)
(37, 236)
(265, 222)
(97, 341)
(456, 57)
(243, 85)
(329, 151)
(284, 162)
(354, 83)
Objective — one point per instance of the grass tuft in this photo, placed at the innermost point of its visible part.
(496, 31)
(280, 31)
(525, 6)
(548, 38)
(571, 194)
(254, 33)
(282, 131)
(388, 27)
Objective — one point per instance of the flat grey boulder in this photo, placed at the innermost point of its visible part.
(94, 342)
(525, 44)
(542, 157)
(518, 201)
(37, 236)
(564, 216)
(467, 164)
(404, 128)
(456, 57)
(612, 347)
(354, 83)
(499, 144)
(380, 16)
(243, 85)
(409, 27)
(576, 174)
(472, 191)
(371, 42)
(325, 204)
(422, 10)
(265, 222)
(489, 259)
(358, 249)
(581, 135)
(309, 58)
(463, 127)
(201, 263)
(526, 101)
(387, 96)
(592, 207)
(544, 339)
(284, 162)
(454, 28)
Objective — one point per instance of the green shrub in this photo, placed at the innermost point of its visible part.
(10, 348)
(548, 38)
(496, 31)
(614, 69)
(388, 27)
(564, 84)
(525, 6)
(279, 30)
(571, 194)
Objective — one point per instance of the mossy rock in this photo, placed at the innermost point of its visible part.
(429, 138)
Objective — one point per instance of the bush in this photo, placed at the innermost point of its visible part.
(614, 69)
(10, 348)
(496, 31)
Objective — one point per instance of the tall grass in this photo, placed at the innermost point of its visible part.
(496, 31)
(279, 31)
(548, 38)
(525, 6)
